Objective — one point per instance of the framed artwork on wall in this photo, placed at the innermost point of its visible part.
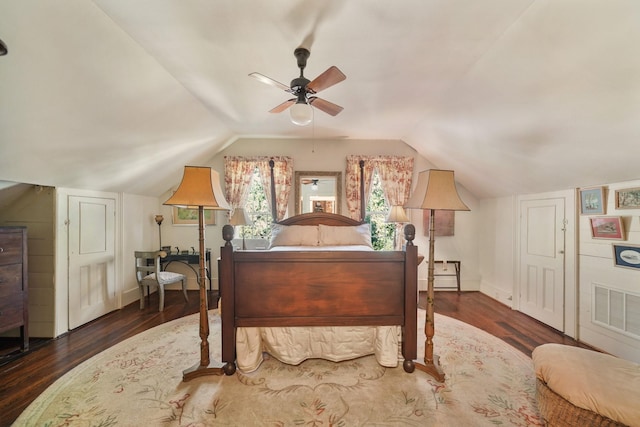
(628, 198)
(626, 256)
(592, 201)
(444, 222)
(184, 216)
(607, 227)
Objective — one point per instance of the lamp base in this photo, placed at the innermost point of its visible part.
(432, 369)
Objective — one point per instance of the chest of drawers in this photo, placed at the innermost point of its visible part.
(14, 311)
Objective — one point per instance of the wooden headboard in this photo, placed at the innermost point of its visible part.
(317, 218)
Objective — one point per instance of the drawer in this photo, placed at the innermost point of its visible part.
(11, 297)
(10, 248)
(10, 280)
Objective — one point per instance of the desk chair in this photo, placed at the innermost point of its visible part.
(149, 273)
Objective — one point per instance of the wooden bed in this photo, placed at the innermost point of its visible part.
(318, 288)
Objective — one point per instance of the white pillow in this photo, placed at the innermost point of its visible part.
(293, 235)
(338, 235)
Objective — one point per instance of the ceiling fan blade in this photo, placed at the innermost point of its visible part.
(268, 80)
(326, 106)
(327, 79)
(280, 108)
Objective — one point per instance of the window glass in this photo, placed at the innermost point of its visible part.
(258, 210)
(377, 211)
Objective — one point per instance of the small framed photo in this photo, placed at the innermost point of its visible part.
(626, 256)
(628, 198)
(592, 201)
(607, 227)
(184, 216)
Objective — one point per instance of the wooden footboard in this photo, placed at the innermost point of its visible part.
(318, 288)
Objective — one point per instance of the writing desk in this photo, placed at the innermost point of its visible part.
(190, 260)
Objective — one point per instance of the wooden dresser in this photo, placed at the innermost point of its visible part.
(14, 311)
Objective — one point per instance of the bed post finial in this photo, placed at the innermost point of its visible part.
(274, 207)
(227, 234)
(409, 233)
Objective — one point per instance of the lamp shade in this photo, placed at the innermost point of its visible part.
(240, 217)
(436, 189)
(200, 186)
(301, 113)
(397, 214)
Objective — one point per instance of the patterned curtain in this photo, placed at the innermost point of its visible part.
(283, 176)
(238, 172)
(395, 176)
(352, 184)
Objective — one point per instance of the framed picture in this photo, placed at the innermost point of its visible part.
(628, 199)
(444, 222)
(627, 256)
(607, 227)
(592, 201)
(184, 216)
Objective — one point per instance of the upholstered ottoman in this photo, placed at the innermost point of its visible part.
(580, 387)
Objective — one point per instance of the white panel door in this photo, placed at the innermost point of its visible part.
(542, 260)
(92, 290)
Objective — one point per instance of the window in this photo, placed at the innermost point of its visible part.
(258, 210)
(377, 210)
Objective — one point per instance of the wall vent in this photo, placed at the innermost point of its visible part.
(616, 309)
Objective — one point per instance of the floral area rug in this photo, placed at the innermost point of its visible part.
(138, 382)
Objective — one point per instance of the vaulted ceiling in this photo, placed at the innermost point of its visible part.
(517, 96)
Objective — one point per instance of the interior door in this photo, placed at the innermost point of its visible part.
(92, 290)
(542, 260)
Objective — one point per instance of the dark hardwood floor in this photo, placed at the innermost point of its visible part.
(25, 377)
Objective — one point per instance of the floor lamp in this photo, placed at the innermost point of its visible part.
(241, 218)
(435, 190)
(200, 189)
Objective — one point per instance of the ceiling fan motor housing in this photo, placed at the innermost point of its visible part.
(301, 55)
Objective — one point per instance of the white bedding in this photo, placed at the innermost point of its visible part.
(294, 345)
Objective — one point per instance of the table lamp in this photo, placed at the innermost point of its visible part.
(397, 216)
(200, 189)
(241, 218)
(435, 190)
(159, 219)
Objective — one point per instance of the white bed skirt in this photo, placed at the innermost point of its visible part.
(294, 345)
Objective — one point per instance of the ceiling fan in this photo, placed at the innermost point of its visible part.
(312, 181)
(304, 91)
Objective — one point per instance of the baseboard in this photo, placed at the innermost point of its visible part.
(501, 295)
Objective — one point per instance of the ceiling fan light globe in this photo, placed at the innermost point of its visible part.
(301, 114)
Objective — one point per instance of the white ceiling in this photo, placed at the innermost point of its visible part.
(517, 96)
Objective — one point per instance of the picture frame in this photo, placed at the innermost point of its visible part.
(444, 222)
(592, 201)
(184, 216)
(628, 198)
(626, 256)
(607, 227)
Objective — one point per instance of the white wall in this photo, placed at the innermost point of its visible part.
(497, 248)
(592, 265)
(597, 269)
(139, 233)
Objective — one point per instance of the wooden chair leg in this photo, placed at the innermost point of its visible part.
(141, 296)
(161, 293)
